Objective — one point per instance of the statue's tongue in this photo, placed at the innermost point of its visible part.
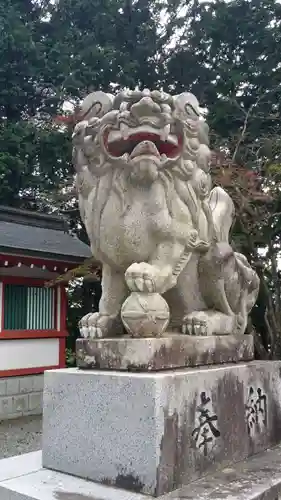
(145, 148)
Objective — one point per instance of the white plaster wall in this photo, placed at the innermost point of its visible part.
(28, 353)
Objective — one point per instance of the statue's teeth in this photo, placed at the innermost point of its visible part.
(123, 106)
(165, 132)
(124, 129)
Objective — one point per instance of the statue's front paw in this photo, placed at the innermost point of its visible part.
(147, 278)
(96, 326)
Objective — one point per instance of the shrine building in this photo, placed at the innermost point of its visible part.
(34, 248)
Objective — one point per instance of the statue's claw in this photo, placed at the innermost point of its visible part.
(147, 278)
(96, 325)
(141, 277)
(210, 322)
(193, 325)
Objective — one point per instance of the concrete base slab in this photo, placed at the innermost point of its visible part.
(258, 478)
(30, 481)
(154, 432)
(162, 353)
(20, 465)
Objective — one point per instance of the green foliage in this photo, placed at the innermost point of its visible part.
(70, 358)
(96, 43)
(26, 95)
(229, 57)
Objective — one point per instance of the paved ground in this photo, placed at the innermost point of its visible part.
(20, 436)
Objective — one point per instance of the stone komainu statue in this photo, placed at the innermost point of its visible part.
(154, 222)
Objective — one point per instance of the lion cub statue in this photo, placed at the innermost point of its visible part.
(142, 163)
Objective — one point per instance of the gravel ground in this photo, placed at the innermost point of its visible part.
(20, 436)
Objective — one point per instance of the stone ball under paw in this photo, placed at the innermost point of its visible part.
(145, 314)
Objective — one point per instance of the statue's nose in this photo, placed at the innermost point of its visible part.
(145, 107)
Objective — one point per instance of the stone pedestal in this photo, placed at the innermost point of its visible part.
(153, 432)
(163, 353)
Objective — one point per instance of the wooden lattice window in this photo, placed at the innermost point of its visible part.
(28, 307)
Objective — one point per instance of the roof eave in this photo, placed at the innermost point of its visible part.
(73, 259)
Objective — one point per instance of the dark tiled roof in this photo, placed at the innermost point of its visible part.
(24, 231)
(31, 218)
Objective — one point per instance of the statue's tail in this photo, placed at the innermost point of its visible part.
(251, 281)
(222, 210)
